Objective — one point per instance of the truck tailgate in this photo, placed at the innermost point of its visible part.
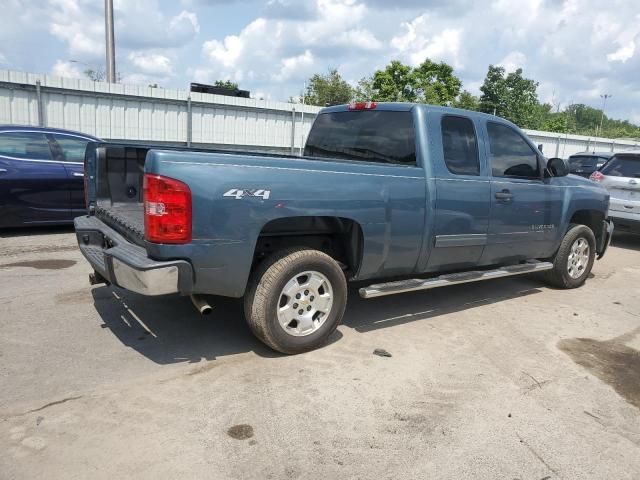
(115, 195)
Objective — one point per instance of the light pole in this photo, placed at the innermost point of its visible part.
(110, 42)
(604, 103)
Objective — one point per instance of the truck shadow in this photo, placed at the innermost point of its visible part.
(169, 330)
(626, 240)
(384, 312)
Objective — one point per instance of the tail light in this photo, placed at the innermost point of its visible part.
(167, 210)
(596, 176)
(362, 105)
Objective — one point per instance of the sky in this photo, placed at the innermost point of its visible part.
(576, 49)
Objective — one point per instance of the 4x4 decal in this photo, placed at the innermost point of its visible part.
(239, 193)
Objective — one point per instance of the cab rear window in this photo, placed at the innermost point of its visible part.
(371, 136)
(623, 166)
(585, 161)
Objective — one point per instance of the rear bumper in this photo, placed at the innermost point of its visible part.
(605, 241)
(127, 265)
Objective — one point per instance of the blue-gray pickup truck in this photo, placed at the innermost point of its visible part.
(408, 197)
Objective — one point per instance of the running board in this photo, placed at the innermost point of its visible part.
(402, 286)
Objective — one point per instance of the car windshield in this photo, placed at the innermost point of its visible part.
(623, 166)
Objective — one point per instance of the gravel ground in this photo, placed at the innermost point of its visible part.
(502, 379)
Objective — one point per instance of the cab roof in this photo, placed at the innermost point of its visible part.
(405, 107)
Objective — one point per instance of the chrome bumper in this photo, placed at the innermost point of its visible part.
(126, 264)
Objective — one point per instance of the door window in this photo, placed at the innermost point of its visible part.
(27, 145)
(510, 154)
(69, 149)
(459, 146)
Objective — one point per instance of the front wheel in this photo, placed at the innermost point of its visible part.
(574, 259)
(295, 300)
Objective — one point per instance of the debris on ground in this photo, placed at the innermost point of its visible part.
(381, 352)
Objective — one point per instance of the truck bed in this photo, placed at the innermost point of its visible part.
(116, 197)
(125, 217)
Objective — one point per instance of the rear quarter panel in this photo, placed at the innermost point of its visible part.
(387, 202)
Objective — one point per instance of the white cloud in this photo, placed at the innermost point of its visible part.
(81, 28)
(421, 39)
(138, 24)
(66, 69)
(513, 61)
(185, 21)
(295, 64)
(624, 53)
(360, 38)
(151, 63)
(575, 49)
(282, 47)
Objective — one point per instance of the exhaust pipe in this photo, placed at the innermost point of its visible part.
(96, 278)
(201, 305)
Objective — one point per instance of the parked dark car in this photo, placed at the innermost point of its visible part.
(41, 175)
(585, 163)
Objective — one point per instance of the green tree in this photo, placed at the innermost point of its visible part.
(226, 84)
(329, 89)
(393, 84)
(364, 90)
(429, 82)
(556, 122)
(97, 74)
(511, 96)
(435, 83)
(494, 92)
(467, 101)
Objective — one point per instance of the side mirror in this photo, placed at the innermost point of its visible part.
(557, 167)
(540, 145)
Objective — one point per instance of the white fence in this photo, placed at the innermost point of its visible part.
(178, 117)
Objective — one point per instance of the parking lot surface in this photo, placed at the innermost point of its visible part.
(501, 379)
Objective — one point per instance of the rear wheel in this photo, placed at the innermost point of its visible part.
(296, 299)
(574, 259)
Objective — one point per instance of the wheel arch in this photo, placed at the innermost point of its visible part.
(341, 238)
(594, 219)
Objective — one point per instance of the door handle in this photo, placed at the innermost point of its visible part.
(504, 195)
(78, 174)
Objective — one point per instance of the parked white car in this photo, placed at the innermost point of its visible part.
(621, 176)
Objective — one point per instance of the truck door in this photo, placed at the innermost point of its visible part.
(462, 193)
(525, 209)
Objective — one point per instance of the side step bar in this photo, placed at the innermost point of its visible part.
(402, 286)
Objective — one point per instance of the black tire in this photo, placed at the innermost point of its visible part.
(263, 297)
(559, 276)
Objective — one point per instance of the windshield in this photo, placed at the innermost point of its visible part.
(372, 136)
(623, 166)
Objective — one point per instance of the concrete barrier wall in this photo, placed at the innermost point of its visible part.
(178, 117)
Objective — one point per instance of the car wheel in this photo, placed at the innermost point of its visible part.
(296, 299)
(574, 259)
